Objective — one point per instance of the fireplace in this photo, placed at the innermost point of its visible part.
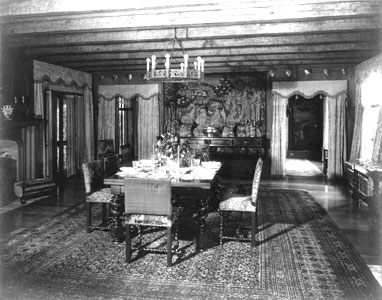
(21, 149)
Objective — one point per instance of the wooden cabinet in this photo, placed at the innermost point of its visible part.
(366, 185)
(221, 149)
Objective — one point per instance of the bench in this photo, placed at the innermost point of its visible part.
(35, 188)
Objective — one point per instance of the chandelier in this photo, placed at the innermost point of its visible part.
(187, 71)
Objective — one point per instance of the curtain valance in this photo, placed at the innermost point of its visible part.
(309, 89)
(60, 76)
(143, 91)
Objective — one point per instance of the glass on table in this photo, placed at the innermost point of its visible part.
(135, 164)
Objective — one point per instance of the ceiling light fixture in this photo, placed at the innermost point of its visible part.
(186, 72)
(308, 72)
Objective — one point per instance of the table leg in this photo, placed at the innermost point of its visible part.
(117, 209)
(201, 238)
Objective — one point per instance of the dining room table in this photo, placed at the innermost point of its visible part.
(193, 189)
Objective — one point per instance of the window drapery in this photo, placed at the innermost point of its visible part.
(357, 133)
(38, 99)
(106, 119)
(279, 135)
(337, 136)
(48, 78)
(88, 124)
(148, 126)
(147, 96)
(377, 145)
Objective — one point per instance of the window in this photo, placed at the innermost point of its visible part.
(371, 94)
(126, 127)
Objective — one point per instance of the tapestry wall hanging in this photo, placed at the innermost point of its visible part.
(229, 109)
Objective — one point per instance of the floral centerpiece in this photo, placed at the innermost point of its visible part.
(166, 148)
(187, 154)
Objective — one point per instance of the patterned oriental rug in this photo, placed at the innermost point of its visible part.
(301, 255)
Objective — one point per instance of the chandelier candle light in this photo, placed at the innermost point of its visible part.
(196, 72)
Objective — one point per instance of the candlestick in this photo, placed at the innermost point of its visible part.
(153, 57)
(167, 64)
(199, 65)
(148, 60)
(185, 56)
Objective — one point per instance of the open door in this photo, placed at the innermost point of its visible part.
(305, 127)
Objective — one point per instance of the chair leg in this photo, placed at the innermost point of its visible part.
(169, 246)
(89, 216)
(103, 213)
(253, 229)
(128, 244)
(221, 226)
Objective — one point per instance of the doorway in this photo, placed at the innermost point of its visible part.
(305, 128)
(127, 133)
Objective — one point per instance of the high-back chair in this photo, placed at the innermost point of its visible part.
(96, 193)
(148, 203)
(111, 165)
(242, 204)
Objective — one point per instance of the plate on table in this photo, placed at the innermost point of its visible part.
(188, 177)
(211, 164)
(127, 169)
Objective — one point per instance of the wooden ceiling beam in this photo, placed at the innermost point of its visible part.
(178, 16)
(222, 52)
(255, 58)
(209, 43)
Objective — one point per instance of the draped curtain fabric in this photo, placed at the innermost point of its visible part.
(48, 136)
(357, 133)
(279, 135)
(38, 99)
(71, 134)
(148, 126)
(88, 124)
(337, 136)
(106, 119)
(377, 146)
(147, 96)
(76, 141)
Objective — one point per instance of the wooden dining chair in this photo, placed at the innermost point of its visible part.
(148, 203)
(111, 165)
(242, 204)
(93, 173)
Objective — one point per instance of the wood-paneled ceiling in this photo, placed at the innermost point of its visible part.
(109, 35)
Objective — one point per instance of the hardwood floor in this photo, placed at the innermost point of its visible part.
(360, 225)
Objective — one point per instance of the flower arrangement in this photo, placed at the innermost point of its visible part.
(7, 111)
(166, 148)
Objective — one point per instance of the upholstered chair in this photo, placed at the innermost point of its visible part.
(96, 192)
(148, 203)
(239, 203)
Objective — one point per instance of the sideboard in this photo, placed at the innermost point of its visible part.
(366, 185)
(229, 148)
